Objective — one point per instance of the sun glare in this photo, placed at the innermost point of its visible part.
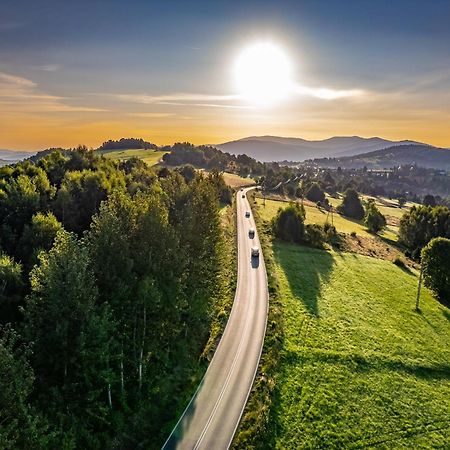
(263, 74)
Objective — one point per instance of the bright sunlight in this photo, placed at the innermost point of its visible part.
(263, 73)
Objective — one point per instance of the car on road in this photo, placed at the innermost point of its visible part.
(255, 252)
(247, 213)
(243, 195)
(251, 233)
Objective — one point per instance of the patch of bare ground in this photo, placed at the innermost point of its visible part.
(373, 246)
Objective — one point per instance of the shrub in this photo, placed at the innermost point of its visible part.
(288, 224)
(315, 235)
(373, 219)
(351, 205)
(315, 193)
(421, 224)
(399, 262)
(436, 267)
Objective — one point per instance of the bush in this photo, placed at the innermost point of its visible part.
(399, 262)
(315, 193)
(351, 205)
(421, 224)
(436, 267)
(288, 224)
(315, 235)
(373, 219)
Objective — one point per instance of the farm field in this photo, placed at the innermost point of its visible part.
(360, 367)
(315, 215)
(151, 157)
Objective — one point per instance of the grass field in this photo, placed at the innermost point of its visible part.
(235, 181)
(360, 368)
(314, 215)
(151, 157)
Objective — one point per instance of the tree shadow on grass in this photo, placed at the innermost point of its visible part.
(365, 363)
(306, 270)
(446, 314)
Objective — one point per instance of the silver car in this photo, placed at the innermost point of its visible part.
(255, 252)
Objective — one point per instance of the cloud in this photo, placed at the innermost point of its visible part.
(18, 94)
(153, 115)
(183, 98)
(327, 93)
(50, 67)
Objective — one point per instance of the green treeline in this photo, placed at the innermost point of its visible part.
(109, 273)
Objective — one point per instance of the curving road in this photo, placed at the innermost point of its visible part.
(213, 414)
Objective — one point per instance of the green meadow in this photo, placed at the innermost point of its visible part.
(151, 157)
(320, 216)
(360, 368)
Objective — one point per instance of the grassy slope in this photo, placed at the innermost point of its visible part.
(314, 215)
(360, 367)
(151, 157)
(235, 181)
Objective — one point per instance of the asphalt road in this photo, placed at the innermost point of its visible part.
(213, 414)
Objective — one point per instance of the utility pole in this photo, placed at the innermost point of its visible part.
(419, 287)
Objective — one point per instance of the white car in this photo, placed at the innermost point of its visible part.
(247, 213)
(255, 252)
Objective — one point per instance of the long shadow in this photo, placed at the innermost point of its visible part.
(365, 363)
(306, 269)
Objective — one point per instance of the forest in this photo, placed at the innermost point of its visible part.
(109, 272)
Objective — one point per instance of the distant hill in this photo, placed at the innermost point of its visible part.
(421, 155)
(13, 156)
(274, 148)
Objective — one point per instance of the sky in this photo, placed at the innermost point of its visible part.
(87, 71)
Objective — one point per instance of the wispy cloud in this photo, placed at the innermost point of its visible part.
(176, 97)
(231, 101)
(18, 94)
(50, 67)
(151, 115)
(327, 93)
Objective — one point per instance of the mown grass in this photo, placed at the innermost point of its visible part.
(233, 180)
(151, 157)
(320, 216)
(360, 368)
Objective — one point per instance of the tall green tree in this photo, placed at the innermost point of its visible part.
(21, 426)
(70, 341)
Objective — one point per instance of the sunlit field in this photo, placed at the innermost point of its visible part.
(151, 157)
(360, 368)
(320, 216)
(235, 181)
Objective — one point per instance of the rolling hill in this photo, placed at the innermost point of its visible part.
(13, 156)
(421, 155)
(273, 148)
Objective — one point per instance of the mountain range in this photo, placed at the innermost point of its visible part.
(13, 156)
(274, 148)
(421, 155)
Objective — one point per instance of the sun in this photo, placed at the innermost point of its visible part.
(263, 73)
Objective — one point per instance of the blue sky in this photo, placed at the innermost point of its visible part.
(92, 68)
